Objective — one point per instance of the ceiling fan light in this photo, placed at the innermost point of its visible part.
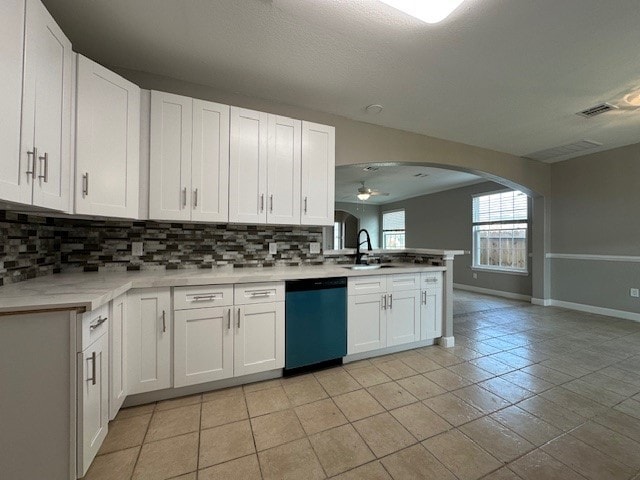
(633, 98)
(429, 11)
(363, 196)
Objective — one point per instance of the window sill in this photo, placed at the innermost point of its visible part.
(500, 270)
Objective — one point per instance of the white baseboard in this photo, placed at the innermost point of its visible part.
(610, 312)
(545, 302)
(496, 293)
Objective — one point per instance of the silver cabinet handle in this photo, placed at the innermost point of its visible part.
(195, 197)
(85, 184)
(424, 297)
(390, 301)
(45, 158)
(262, 202)
(271, 203)
(184, 197)
(238, 317)
(197, 298)
(164, 321)
(228, 319)
(99, 322)
(31, 161)
(261, 294)
(432, 280)
(384, 302)
(305, 205)
(93, 369)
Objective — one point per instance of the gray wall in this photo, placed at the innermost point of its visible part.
(369, 215)
(595, 209)
(443, 220)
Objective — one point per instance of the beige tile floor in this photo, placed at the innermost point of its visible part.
(527, 393)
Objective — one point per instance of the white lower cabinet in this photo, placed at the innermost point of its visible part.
(117, 354)
(203, 345)
(148, 340)
(259, 338)
(431, 315)
(93, 401)
(390, 310)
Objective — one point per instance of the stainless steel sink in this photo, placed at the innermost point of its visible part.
(368, 267)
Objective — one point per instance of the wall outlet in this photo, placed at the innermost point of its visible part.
(634, 292)
(137, 249)
(273, 248)
(314, 247)
(475, 276)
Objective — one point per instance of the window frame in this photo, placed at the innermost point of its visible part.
(396, 231)
(475, 247)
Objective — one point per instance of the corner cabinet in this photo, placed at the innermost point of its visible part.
(318, 174)
(148, 340)
(189, 159)
(107, 142)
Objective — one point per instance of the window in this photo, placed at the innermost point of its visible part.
(500, 225)
(393, 229)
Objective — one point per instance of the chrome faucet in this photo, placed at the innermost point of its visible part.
(358, 253)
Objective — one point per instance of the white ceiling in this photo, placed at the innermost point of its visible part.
(399, 181)
(507, 75)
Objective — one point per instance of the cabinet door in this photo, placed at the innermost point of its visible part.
(15, 184)
(117, 354)
(318, 174)
(366, 323)
(170, 157)
(210, 162)
(431, 313)
(47, 107)
(283, 171)
(107, 142)
(248, 166)
(93, 401)
(148, 340)
(403, 317)
(203, 345)
(259, 338)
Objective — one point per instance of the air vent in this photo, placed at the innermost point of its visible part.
(371, 169)
(597, 110)
(564, 150)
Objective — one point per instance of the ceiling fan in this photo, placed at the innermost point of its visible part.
(365, 192)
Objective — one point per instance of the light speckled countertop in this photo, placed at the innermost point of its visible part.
(93, 289)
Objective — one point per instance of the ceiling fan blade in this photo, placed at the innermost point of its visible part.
(377, 193)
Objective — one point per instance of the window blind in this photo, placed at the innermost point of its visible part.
(500, 207)
(393, 220)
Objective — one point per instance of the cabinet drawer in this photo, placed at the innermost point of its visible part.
(248, 293)
(202, 296)
(367, 284)
(431, 280)
(93, 325)
(404, 281)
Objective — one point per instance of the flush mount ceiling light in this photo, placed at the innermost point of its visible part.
(429, 11)
(374, 109)
(363, 196)
(633, 98)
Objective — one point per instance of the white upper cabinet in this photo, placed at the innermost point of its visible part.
(170, 157)
(107, 142)
(318, 174)
(248, 166)
(210, 162)
(189, 159)
(283, 170)
(45, 145)
(13, 179)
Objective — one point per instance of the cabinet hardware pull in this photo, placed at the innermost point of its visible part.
(262, 202)
(204, 297)
(195, 197)
(99, 322)
(164, 321)
(384, 302)
(432, 280)
(238, 318)
(93, 369)
(305, 205)
(85, 184)
(184, 197)
(271, 207)
(390, 301)
(45, 158)
(228, 319)
(31, 161)
(261, 294)
(424, 297)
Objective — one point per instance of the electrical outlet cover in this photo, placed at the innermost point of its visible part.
(314, 247)
(273, 248)
(634, 292)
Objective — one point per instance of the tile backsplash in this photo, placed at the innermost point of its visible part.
(32, 245)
